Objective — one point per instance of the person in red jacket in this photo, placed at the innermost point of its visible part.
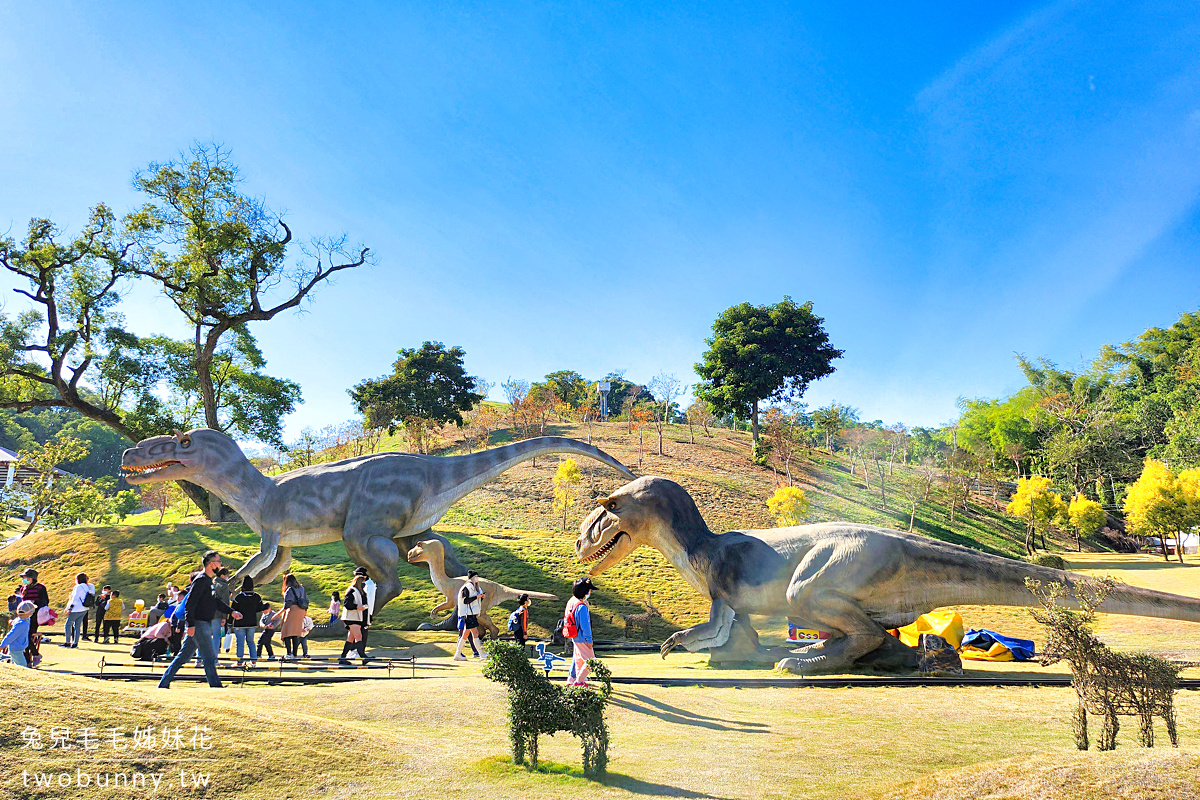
(36, 593)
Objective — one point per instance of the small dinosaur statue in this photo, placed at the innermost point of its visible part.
(855, 581)
(379, 505)
(433, 553)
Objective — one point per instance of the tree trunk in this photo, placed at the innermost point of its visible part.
(912, 515)
(754, 422)
(660, 432)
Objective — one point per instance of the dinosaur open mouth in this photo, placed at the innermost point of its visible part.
(149, 469)
(603, 550)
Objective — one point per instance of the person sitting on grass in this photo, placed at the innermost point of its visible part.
(17, 638)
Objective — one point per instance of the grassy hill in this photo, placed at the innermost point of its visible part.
(509, 532)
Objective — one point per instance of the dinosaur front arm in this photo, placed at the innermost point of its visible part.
(713, 633)
(445, 605)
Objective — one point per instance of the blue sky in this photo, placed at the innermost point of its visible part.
(587, 186)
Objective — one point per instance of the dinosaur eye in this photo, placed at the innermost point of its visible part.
(185, 442)
(611, 505)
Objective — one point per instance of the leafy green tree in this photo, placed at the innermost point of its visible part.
(50, 485)
(831, 420)
(220, 256)
(50, 350)
(427, 385)
(569, 386)
(759, 353)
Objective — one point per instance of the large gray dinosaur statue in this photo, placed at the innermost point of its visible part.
(855, 581)
(380, 505)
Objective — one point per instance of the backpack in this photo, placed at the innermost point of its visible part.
(301, 597)
(514, 621)
(557, 636)
(570, 628)
(89, 600)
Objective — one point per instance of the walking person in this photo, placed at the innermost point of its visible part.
(200, 609)
(518, 621)
(270, 621)
(100, 607)
(17, 638)
(335, 608)
(470, 603)
(112, 616)
(355, 616)
(295, 607)
(33, 591)
(577, 626)
(83, 597)
(249, 604)
(222, 591)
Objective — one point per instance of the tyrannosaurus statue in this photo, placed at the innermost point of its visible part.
(379, 505)
(855, 581)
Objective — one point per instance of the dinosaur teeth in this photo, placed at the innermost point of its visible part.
(603, 550)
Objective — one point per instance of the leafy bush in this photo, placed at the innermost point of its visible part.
(1049, 560)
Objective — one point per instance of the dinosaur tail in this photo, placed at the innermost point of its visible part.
(468, 473)
(973, 577)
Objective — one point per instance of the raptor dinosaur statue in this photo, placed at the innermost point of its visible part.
(379, 505)
(432, 553)
(855, 581)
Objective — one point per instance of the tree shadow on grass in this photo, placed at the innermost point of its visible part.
(567, 775)
(668, 713)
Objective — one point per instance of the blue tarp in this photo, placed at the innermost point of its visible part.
(1022, 649)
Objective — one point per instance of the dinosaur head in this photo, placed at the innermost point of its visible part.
(429, 551)
(648, 511)
(182, 456)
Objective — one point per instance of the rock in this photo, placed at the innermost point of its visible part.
(935, 656)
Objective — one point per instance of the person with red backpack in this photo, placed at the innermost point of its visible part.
(577, 626)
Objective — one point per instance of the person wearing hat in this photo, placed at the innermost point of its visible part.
(470, 606)
(17, 638)
(578, 623)
(356, 616)
(36, 593)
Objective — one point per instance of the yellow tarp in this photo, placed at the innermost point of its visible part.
(946, 624)
(997, 652)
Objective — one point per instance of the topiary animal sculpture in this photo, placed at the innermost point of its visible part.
(537, 706)
(636, 622)
(1107, 683)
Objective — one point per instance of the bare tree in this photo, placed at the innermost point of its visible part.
(665, 388)
(515, 392)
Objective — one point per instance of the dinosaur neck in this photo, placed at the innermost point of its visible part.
(687, 547)
(242, 487)
(437, 574)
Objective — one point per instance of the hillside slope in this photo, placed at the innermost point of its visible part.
(509, 532)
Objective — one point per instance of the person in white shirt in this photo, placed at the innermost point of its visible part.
(470, 605)
(77, 610)
(356, 616)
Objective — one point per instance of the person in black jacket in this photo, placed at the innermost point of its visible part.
(249, 604)
(200, 609)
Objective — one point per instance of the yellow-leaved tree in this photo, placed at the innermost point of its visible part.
(1034, 500)
(789, 505)
(1164, 505)
(1086, 517)
(565, 479)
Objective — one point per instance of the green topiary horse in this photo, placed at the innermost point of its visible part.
(536, 706)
